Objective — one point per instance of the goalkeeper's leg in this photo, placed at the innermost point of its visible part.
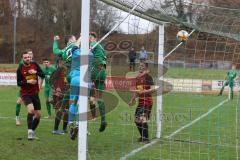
(73, 116)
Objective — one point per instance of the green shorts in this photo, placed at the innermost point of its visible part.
(99, 85)
(18, 93)
(226, 83)
(48, 92)
(99, 79)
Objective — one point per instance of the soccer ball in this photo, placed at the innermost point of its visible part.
(182, 36)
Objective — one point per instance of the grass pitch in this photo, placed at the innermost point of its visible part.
(213, 137)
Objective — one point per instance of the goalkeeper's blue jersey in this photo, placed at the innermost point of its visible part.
(75, 73)
(75, 64)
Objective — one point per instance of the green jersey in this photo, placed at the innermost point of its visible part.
(48, 72)
(20, 63)
(64, 53)
(98, 53)
(231, 75)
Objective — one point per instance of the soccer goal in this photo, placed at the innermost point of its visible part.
(195, 111)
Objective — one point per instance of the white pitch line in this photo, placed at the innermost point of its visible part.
(50, 120)
(196, 120)
(237, 137)
(133, 152)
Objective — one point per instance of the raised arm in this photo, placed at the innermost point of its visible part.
(56, 50)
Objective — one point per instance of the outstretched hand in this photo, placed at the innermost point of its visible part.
(56, 38)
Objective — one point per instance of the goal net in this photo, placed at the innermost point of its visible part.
(195, 122)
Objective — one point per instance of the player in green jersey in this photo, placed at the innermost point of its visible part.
(98, 76)
(47, 69)
(229, 81)
(19, 100)
(65, 55)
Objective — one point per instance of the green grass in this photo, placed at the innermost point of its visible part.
(9, 66)
(215, 133)
(194, 73)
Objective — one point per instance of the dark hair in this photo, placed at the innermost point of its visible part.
(25, 52)
(45, 59)
(67, 38)
(93, 34)
(146, 64)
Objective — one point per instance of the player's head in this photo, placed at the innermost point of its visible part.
(92, 37)
(46, 62)
(30, 52)
(70, 39)
(59, 62)
(143, 67)
(233, 66)
(26, 58)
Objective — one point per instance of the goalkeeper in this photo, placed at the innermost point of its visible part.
(229, 81)
(74, 92)
(98, 76)
(65, 55)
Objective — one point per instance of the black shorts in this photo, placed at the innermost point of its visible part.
(34, 99)
(132, 61)
(142, 111)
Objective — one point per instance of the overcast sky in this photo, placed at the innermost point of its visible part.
(134, 25)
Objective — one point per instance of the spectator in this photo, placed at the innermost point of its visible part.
(132, 57)
(143, 55)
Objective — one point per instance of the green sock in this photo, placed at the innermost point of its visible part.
(18, 108)
(231, 93)
(48, 104)
(101, 106)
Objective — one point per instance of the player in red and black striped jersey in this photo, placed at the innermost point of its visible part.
(144, 90)
(27, 79)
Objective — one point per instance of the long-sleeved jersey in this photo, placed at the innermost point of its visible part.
(23, 75)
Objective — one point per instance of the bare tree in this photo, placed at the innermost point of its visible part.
(103, 17)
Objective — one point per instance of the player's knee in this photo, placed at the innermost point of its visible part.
(92, 101)
(38, 114)
(19, 101)
(50, 100)
(30, 108)
(137, 121)
(30, 111)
